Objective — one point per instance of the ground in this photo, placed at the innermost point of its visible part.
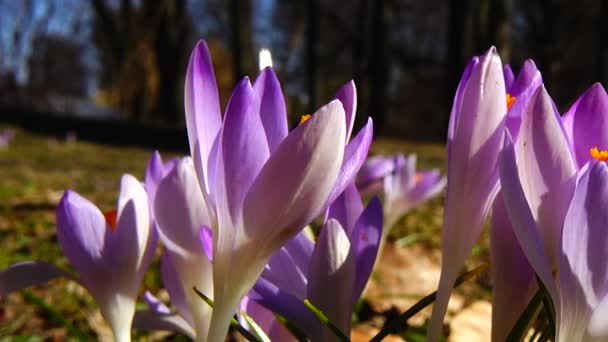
(35, 170)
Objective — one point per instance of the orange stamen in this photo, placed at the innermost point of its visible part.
(110, 216)
(417, 178)
(304, 118)
(510, 101)
(601, 155)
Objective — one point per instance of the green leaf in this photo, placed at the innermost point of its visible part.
(233, 323)
(325, 321)
(399, 323)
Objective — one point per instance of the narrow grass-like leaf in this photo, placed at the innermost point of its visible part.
(398, 323)
(257, 330)
(549, 308)
(325, 321)
(233, 323)
(527, 318)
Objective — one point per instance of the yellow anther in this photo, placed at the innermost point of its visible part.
(304, 118)
(601, 155)
(110, 216)
(510, 101)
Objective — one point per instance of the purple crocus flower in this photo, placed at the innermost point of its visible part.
(474, 141)
(110, 252)
(160, 317)
(403, 186)
(511, 274)
(519, 90)
(580, 295)
(179, 211)
(586, 124)
(260, 184)
(331, 273)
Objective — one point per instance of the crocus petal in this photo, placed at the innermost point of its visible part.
(155, 171)
(583, 274)
(348, 96)
(586, 123)
(347, 208)
(201, 104)
(455, 113)
(268, 92)
(373, 170)
(243, 146)
(474, 141)
(365, 239)
(293, 185)
(512, 276)
(24, 274)
(156, 304)
(522, 221)
(150, 320)
(354, 157)
(206, 236)
(522, 89)
(173, 285)
(598, 325)
(288, 267)
(547, 170)
(288, 306)
(331, 276)
(131, 242)
(509, 76)
(81, 229)
(180, 209)
(429, 184)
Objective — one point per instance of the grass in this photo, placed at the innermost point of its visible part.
(36, 170)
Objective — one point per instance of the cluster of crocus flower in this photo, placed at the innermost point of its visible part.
(543, 178)
(403, 187)
(231, 216)
(224, 213)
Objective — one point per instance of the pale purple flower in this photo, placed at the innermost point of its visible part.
(474, 141)
(580, 294)
(110, 252)
(519, 91)
(511, 275)
(179, 211)
(586, 123)
(403, 186)
(331, 273)
(261, 185)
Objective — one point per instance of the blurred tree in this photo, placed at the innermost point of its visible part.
(143, 49)
(57, 67)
